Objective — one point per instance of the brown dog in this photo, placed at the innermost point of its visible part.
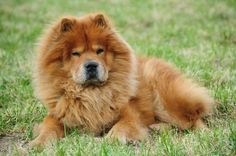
(88, 77)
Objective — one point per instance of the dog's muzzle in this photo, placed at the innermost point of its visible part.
(90, 73)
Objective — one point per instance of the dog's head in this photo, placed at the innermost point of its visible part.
(87, 48)
(87, 54)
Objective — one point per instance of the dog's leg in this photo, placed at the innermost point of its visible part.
(48, 130)
(129, 127)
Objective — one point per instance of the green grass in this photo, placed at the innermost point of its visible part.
(199, 36)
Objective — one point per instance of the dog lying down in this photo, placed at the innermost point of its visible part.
(88, 77)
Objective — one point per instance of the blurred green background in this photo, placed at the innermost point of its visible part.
(199, 36)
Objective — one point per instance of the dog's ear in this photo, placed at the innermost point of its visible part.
(66, 24)
(101, 20)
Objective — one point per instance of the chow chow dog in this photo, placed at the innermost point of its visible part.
(88, 77)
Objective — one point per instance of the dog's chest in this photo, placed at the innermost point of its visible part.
(91, 110)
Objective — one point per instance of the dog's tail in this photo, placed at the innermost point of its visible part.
(180, 96)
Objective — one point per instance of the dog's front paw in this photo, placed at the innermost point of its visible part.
(37, 143)
(42, 140)
(116, 134)
(127, 134)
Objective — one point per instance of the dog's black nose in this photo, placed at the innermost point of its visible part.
(91, 70)
(91, 66)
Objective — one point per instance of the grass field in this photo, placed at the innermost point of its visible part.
(199, 36)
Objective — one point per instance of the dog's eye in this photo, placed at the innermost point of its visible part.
(99, 51)
(76, 53)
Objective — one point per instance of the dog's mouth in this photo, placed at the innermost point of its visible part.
(93, 82)
(90, 81)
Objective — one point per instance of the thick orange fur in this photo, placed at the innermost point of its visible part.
(127, 103)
